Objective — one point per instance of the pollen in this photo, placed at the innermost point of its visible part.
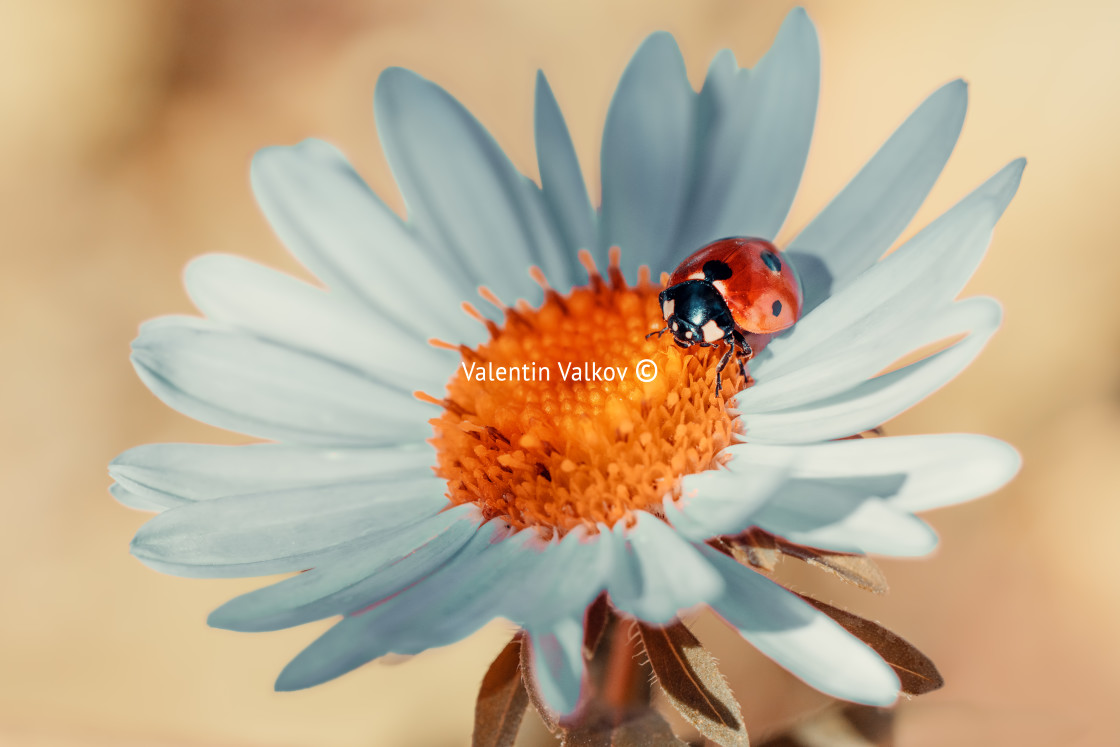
(556, 421)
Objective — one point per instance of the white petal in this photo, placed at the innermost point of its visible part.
(656, 574)
(336, 226)
(171, 475)
(565, 191)
(876, 401)
(358, 578)
(281, 531)
(926, 273)
(758, 147)
(865, 218)
(646, 155)
(556, 656)
(462, 193)
(913, 473)
(840, 516)
(236, 381)
(801, 638)
(719, 502)
(362, 637)
(284, 310)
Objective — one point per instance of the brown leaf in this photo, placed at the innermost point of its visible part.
(756, 548)
(502, 700)
(641, 730)
(915, 671)
(855, 569)
(595, 622)
(691, 680)
(547, 715)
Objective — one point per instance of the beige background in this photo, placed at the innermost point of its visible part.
(125, 134)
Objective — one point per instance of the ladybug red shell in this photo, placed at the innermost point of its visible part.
(727, 289)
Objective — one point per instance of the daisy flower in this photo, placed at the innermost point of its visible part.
(419, 499)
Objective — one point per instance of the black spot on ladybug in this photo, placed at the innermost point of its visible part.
(715, 270)
(777, 308)
(772, 262)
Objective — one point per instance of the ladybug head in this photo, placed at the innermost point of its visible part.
(695, 313)
(684, 333)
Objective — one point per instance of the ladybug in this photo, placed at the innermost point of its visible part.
(726, 290)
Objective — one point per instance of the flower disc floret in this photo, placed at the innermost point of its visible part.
(572, 436)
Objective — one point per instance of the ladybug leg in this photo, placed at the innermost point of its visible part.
(745, 354)
(722, 365)
(658, 333)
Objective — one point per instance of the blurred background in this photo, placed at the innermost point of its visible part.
(126, 128)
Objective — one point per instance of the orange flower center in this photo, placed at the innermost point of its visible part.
(550, 425)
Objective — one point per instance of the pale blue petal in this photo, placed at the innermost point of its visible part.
(801, 638)
(873, 348)
(237, 381)
(759, 146)
(926, 273)
(138, 501)
(722, 115)
(281, 309)
(656, 574)
(171, 475)
(336, 226)
(556, 656)
(646, 155)
(565, 191)
(462, 193)
(865, 218)
(362, 637)
(467, 594)
(573, 571)
(356, 579)
(281, 531)
(723, 501)
(838, 515)
(554, 258)
(910, 472)
(876, 401)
